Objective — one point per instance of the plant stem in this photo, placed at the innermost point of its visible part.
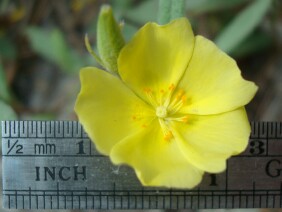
(177, 9)
(164, 11)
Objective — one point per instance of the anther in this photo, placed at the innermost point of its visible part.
(185, 119)
(179, 94)
(183, 98)
(168, 136)
(171, 87)
(147, 90)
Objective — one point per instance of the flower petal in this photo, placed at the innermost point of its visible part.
(157, 162)
(157, 56)
(207, 141)
(213, 82)
(105, 107)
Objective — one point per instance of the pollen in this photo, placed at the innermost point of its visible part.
(168, 136)
(180, 94)
(147, 90)
(171, 87)
(185, 119)
(184, 98)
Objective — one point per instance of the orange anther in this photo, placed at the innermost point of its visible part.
(168, 136)
(162, 91)
(183, 98)
(134, 117)
(171, 87)
(185, 119)
(144, 125)
(147, 90)
(179, 94)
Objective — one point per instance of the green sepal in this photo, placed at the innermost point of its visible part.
(109, 39)
(91, 51)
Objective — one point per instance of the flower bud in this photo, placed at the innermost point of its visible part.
(109, 39)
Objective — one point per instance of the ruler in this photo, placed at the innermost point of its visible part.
(54, 165)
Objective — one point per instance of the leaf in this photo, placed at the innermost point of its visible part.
(4, 90)
(52, 45)
(254, 43)
(6, 112)
(204, 6)
(242, 25)
(7, 48)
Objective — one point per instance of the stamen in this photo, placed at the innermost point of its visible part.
(168, 136)
(178, 101)
(184, 98)
(167, 133)
(171, 87)
(184, 119)
(150, 96)
(147, 90)
(180, 94)
(168, 97)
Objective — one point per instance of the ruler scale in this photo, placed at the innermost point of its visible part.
(54, 165)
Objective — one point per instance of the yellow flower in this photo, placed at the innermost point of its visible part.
(177, 111)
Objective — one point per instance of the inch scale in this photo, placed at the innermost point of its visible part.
(54, 165)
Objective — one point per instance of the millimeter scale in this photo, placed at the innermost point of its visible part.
(54, 165)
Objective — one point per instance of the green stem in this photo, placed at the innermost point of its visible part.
(177, 9)
(164, 11)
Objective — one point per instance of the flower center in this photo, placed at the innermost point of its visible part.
(166, 103)
(161, 112)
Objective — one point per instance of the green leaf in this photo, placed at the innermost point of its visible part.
(52, 45)
(242, 25)
(7, 48)
(254, 43)
(6, 112)
(204, 6)
(4, 90)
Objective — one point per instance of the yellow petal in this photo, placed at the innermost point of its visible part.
(207, 141)
(157, 56)
(107, 109)
(213, 82)
(157, 162)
